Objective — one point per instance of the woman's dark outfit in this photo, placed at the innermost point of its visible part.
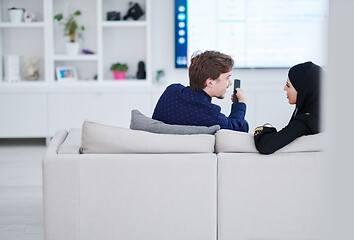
(305, 78)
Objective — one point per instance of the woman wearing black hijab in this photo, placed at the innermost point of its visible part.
(303, 89)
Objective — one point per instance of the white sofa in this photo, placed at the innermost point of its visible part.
(226, 192)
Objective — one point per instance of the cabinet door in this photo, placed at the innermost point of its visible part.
(23, 115)
(66, 111)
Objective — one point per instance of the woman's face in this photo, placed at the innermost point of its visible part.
(291, 93)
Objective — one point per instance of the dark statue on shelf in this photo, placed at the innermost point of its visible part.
(134, 12)
(141, 74)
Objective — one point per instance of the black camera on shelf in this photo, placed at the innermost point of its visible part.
(113, 16)
(134, 12)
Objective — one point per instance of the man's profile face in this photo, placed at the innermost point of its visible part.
(221, 84)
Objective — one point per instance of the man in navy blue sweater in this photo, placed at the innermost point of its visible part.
(209, 76)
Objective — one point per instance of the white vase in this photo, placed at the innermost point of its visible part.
(16, 15)
(12, 68)
(72, 48)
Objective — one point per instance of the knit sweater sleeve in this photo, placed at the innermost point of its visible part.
(268, 140)
(236, 120)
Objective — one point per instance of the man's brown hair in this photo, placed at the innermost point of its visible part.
(208, 64)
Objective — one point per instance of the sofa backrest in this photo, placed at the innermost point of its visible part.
(71, 143)
(100, 138)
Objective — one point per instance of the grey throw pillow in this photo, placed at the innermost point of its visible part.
(141, 122)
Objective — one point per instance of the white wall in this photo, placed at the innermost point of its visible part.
(339, 119)
(264, 87)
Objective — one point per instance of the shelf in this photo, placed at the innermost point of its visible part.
(118, 81)
(81, 86)
(80, 57)
(21, 25)
(30, 86)
(124, 24)
(22, 83)
(104, 83)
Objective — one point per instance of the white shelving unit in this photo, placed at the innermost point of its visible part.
(124, 23)
(21, 25)
(37, 108)
(111, 41)
(81, 57)
(114, 35)
(25, 39)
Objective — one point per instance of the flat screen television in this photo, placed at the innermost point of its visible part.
(256, 33)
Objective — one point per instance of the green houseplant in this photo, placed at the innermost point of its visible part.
(71, 29)
(159, 74)
(119, 70)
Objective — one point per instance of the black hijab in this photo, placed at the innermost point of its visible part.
(305, 77)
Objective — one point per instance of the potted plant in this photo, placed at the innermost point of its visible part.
(16, 14)
(71, 29)
(119, 70)
(159, 74)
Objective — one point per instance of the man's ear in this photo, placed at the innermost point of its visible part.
(209, 82)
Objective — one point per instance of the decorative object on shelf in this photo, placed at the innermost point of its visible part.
(16, 14)
(141, 74)
(134, 11)
(72, 29)
(159, 74)
(113, 16)
(32, 72)
(87, 51)
(66, 73)
(72, 48)
(119, 70)
(29, 16)
(12, 68)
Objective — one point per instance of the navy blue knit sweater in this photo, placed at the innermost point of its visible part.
(183, 106)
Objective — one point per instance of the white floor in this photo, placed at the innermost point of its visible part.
(21, 202)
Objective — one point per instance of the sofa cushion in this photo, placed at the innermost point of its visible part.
(72, 142)
(141, 122)
(233, 141)
(101, 138)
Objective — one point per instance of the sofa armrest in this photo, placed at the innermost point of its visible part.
(72, 143)
(60, 191)
(57, 141)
